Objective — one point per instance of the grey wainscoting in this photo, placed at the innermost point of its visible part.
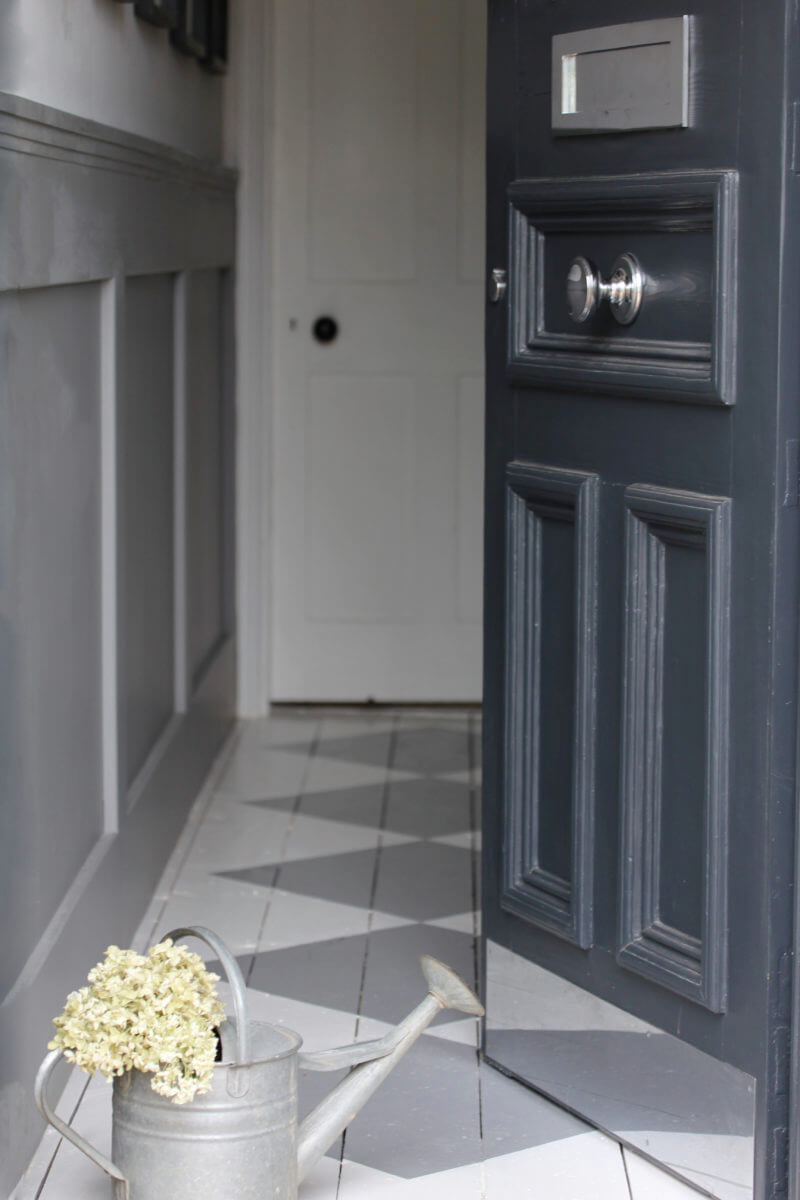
(146, 496)
(206, 431)
(116, 655)
(50, 718)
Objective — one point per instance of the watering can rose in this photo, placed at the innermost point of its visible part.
(156, 1013)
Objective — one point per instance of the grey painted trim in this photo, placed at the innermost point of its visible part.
(694, 968)
(668, 202)
(565, 908)
(180, 401)
(149, 768)
(150, 209)
(111, 375)
(27, 127)
(230, 412)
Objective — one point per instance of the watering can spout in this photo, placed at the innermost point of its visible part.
(373, 1061)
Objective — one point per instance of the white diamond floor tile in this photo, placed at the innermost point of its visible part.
(73, 1176)
(586, 1167)
(295, 920)
(648, 1182)
(279, 731)
(233, 910)
(463, 841)
(689, 1153)
(466, 1032)
(234, 836)
(325, 774)
(322, 1182)
(315, 837)
(365, 1183)
(320, 1027)
(354, 727)
(257, 773)
(470, 776)
(461, 922)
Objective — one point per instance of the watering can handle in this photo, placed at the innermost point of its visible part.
(235, 979)
(120, 1183)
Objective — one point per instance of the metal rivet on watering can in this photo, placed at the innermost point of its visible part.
(241, 1140)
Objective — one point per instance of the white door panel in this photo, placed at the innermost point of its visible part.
(378, 436)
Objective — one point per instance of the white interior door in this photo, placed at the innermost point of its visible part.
(378, 435)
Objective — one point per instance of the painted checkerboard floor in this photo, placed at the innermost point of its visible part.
(330, 851)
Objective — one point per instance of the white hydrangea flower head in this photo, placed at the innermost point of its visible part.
(155, 1013)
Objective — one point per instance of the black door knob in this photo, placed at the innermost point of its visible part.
(325, 329)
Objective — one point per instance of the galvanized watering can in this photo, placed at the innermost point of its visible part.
(241, 1140)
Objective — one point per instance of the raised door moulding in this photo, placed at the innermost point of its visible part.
(664, 203)
(694, 967)
(535, 492)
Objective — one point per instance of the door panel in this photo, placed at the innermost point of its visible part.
(682, 226)
(638, 830)
(378, 434)
(551, 696)
(675, 736)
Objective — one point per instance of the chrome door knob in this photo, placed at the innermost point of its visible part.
(583, 289)
(586, 289)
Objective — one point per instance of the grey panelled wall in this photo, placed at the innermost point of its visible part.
(116, 660)
(205, 469)
(49, 604)
(146, 496)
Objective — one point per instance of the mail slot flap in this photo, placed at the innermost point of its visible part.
(622, 77)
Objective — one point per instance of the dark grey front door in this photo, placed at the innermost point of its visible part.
(642, 529)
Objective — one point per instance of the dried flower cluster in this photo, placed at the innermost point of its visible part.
(155, 1013)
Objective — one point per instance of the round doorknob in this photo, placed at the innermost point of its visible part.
(586, 289)
(583, 286)
(325, 329)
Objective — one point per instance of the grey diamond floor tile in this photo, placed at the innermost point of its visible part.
(342, 878)
(514, 1117)
(429, 807)
(423, 808)
(420, 880)
(313, 1087)
(393, 980)
(355, 805)
(330, 972)
(327, 973)
(371, 749)
(424, 880)
(432, 1097)
(424, 1117)
(431, 750)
